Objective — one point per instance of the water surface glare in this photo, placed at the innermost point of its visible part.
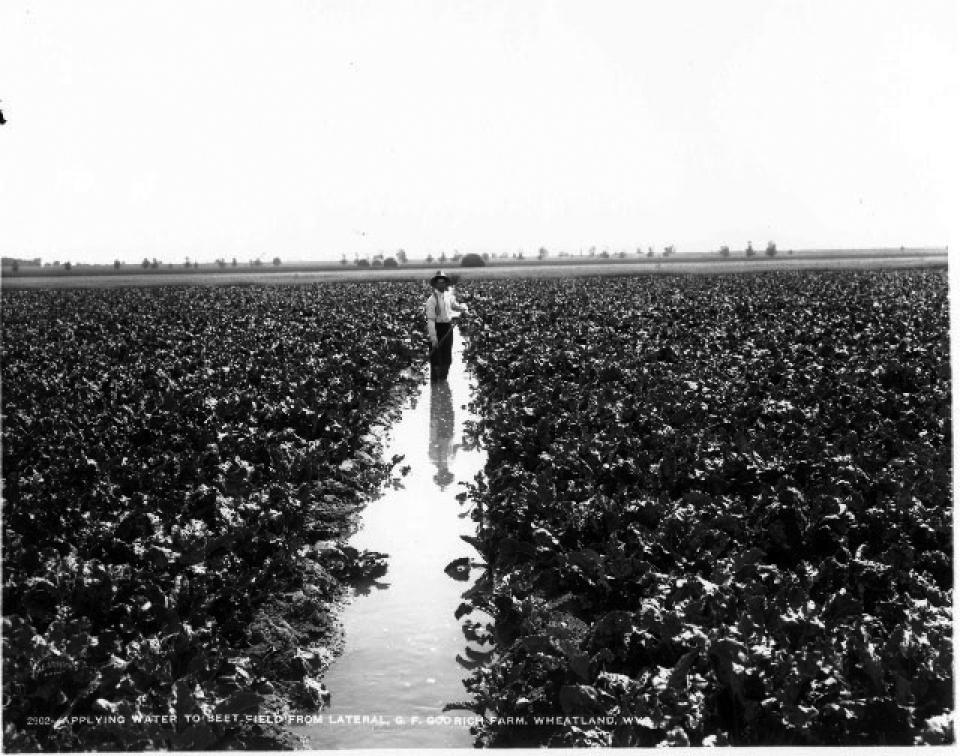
(402, 639)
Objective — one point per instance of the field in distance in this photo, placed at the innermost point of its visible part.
(96, 276)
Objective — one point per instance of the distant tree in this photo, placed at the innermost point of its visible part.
(592, 251)
(519, 254)
(391, 262)
(724, 251)
(233, 262)
(771, 249)
(117, 264)
(196, 264)
(221, 262)
(56, 263)
(362, 262)
(378, 262)
(343, 260)
(67, 265)
(257, 263)
(429, 258)
(605, 254)
(187, 263)
(542, 253)
(15, 266)
(401, 257)
(749, 251)
(155, 263)
(622, 253)
(639, 251)
(472, 260)
(145, 264)
(456, 256)
(443, 257)
(276, 260)
(649, 251)
(486, 256)
(668, 251)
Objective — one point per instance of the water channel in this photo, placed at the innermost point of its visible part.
(399, 667)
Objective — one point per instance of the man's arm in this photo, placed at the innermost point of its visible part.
(456, 306)
(431, 322)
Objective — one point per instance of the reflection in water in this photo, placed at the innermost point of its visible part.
(442, 423)
(475, 622)
(402, 644)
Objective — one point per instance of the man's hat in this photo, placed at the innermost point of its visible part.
(438, 276)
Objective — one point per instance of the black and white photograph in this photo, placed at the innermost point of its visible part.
(382, 375)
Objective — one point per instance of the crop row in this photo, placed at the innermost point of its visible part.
(718, 506)
(181, 466)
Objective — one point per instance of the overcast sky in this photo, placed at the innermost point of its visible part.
(310, 128)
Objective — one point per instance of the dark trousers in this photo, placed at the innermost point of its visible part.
(441, 356)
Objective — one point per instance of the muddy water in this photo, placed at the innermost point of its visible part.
(399, 666)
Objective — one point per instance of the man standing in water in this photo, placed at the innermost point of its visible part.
(441, 308)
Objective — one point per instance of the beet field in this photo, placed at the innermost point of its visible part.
(181, 467)
(715, 509)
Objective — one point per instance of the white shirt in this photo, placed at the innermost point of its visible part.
(441, 307)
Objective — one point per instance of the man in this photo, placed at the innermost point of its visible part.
(440, 309)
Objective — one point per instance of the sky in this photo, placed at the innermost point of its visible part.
(311, 129)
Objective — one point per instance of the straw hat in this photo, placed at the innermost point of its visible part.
(438, 276)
